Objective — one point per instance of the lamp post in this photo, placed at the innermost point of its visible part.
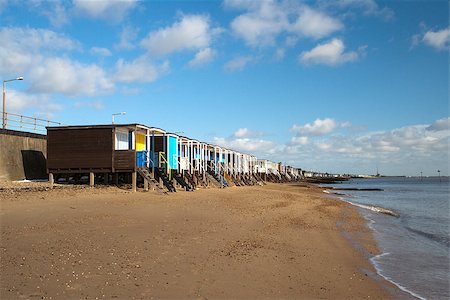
(4, 99)
(439, 172)
(118, 114)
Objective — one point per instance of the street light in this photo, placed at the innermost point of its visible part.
(4, 99)
(118, 114)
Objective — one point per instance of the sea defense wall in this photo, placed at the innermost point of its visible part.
(22, 155)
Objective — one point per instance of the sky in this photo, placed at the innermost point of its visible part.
(346, 86)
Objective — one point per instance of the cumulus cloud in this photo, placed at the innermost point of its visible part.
(439, 39)
(202, 57)
(127, 38)
(315, 24)
(42, 55)
(246, 140)
(426, 145)
(318, 127)
(237, 64)
(300, 140)
(104, 9)
(71, 78)
(264, 21)
(349, 152)
(247, 145)
(18, 101)
(441, 124)
(331, 53)
(55, 11)
(140, 70)
(192, 32)
(246, 133)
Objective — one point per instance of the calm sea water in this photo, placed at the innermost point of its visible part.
(416, 245)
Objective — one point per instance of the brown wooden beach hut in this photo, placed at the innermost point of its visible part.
(94, 149)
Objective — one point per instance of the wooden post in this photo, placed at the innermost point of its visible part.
(91, 179)
(51, 180)
(105, 178)
(116, 178)
(133, 181)
(145, 184)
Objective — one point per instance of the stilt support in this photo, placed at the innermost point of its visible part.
(133, 181)
(145, 184)
(91, 179)
(51, 180)
(105, 178)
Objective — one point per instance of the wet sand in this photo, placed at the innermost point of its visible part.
(276, 241)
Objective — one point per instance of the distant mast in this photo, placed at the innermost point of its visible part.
(378, 174)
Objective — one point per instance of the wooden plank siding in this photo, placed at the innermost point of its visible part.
(80, 149)
(124, 160)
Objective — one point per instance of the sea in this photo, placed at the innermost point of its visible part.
(415, 242)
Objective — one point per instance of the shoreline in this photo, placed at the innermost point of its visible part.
(209, 243)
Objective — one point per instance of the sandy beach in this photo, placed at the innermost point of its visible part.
(275, 241)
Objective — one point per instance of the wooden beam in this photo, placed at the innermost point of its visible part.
(51, 180)
(91, 179)
(133, 181)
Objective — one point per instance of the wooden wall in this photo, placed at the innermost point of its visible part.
(84, 148)
(124, 160)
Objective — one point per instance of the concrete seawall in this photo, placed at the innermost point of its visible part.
(22, 155)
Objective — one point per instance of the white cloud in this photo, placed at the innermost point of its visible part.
(101, 51)
(55, 11)
(42, 57)
(127, 38)
(264, 21)
(71, 78)
(318, 127)
(426, 145)
(300, 140)
(261, 24)
(392, 150)
(34, 39)
(105, 9)
(246, 133)
(439, 39)
(22, 48)
(331, 53)
(247, 145)
(441, 124)
(315, 24)
(248, 141)
(140, 70)
(17, 101)
(238, 63)
(192, 32)
(202, 57)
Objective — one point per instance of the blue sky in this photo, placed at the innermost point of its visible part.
(342, 86)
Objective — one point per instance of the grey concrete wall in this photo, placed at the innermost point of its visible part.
(22, 155)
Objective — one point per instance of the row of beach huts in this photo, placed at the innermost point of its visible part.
(155, 159)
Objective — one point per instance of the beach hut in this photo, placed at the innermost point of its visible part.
(100, 149)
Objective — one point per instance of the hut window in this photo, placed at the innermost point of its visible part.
(121, 139)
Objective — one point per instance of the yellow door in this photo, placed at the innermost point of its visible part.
(140, 142)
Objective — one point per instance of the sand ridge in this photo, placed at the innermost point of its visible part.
(275, 241)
